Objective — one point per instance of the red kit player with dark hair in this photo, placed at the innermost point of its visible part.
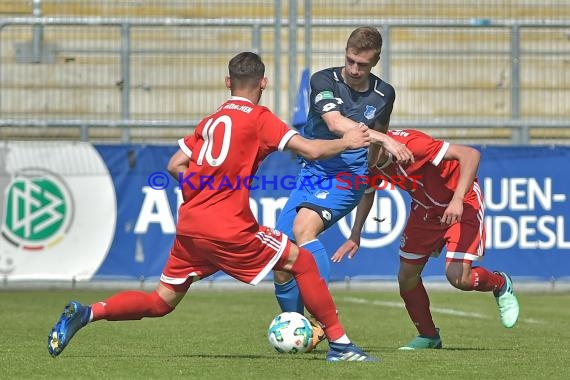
(447, 210)
(216, 230)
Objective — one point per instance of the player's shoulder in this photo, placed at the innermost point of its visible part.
(330, 73)
(265, 117)
(382, 87)
(264, 112)
(262, 109)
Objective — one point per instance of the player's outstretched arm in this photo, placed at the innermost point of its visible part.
(321, 149)
(399, 151)
(178, 163)
(351, 245)
(469, 163)
(339, 125)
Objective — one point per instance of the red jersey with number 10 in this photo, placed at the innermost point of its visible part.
(225, 152)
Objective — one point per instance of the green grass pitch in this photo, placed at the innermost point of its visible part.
(220, 334)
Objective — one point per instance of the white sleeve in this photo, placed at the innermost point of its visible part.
(285, 139)
(184, 148)
(440, 154)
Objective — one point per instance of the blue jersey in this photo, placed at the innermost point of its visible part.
(330, 93)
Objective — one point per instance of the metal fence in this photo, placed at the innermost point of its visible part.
(130, 79)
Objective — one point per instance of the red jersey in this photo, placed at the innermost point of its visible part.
(225, 152)
(429, 180)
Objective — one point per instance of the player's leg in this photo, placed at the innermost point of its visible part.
(463, 276)
(289, 299)
(268, 249)
(319, 303)
(416, 301)
(127, 305)
(421, 238)
(134, 304)
(286, 290)
(182, 268)
(315, 205)
(307, 225)
(327, 202)
(466, 242)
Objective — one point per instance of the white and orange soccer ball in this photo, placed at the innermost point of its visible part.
(290, 333)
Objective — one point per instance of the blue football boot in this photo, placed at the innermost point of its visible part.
(348, 352)
(74, 317)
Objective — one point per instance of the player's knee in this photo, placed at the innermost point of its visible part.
(281, 277)
(304, 263)
(406, 282)
(307, 225)
(458, 281)
(302, 233)
(157, 306)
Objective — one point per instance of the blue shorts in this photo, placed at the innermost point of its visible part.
(328, 197)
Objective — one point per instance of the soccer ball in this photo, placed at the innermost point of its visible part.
(290, 333)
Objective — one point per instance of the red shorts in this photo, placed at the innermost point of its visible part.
(248, 262)
(465, 240)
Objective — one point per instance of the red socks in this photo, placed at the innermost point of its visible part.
(417, 304)
(316, 295)
(484, 281)
(417, 300)
(130, 305)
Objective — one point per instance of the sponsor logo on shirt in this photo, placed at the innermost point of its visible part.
(324, 95)
(369, 112)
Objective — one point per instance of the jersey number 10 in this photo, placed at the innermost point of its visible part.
(208, 146)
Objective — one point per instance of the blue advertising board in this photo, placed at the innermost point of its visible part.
(526, 191)
(81, 211)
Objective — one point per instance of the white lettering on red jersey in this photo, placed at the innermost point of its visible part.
(225, 151)
(430, 180)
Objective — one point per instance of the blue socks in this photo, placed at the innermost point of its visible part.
(321, 257)
(288, 297)
(287, 294)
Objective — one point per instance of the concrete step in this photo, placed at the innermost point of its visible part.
(321, 8)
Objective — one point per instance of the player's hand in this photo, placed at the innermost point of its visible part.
(400, 153)
(453, 212)
(357, 137)
(350, 246)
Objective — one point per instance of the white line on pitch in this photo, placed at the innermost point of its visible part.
(442, 310)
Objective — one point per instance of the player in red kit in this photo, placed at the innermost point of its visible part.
(447, 210)
(216, 229)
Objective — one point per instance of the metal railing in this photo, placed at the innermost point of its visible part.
(295, 51)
